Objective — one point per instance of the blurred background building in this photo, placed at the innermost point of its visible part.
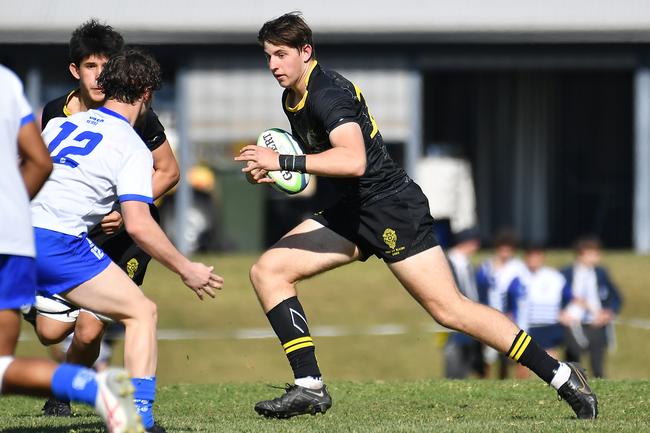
(549, 101)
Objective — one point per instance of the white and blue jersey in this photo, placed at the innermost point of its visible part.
(17, 271)
(98, 160)
(16, 234)
(493, 283)
(535, 299)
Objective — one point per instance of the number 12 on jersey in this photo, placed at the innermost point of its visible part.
(92, 139)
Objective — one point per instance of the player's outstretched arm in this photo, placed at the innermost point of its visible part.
(150, 237)
(36, 164)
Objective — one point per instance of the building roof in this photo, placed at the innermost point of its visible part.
(207, 21)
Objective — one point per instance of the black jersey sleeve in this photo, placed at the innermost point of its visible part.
(151, 130)
(52, 109)
(334, 107)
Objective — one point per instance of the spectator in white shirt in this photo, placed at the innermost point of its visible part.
(596, 302)
(536, 300)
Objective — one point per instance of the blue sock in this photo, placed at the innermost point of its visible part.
(74, 383)
(144, 396)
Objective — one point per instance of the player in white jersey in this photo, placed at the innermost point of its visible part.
(110, 392)
(535, 300)
(100, 160)
(493, 277)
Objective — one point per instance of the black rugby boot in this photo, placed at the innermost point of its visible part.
(155, 428)
(54, 407)
(296, 400)
(578, 394)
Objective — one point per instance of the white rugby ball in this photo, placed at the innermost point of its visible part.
(279, 140)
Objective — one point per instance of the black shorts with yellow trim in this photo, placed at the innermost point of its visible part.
(392, 228)
(123, 251)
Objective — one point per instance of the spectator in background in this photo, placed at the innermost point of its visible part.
(596, 302)
(535, 301)
(446, 180)
(493, 278)
(463, 354)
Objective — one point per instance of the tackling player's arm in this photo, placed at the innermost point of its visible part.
(149, 236)
(36, 164)
(346, 158)
(166, 172)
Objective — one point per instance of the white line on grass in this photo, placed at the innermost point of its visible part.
(320, 331)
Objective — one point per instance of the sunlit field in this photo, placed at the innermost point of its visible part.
(378, 350)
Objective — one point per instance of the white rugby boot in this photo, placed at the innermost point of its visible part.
(114, 402)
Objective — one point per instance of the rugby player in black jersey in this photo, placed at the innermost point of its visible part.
(381, 212)
(91, 46)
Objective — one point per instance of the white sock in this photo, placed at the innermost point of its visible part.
(310, 382)
(561, 376)
(4, 364)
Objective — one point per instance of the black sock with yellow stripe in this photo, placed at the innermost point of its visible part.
(289, 322)
(525, 351)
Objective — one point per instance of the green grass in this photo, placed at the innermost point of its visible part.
(357, 296)
(405, 406)
(381, 383)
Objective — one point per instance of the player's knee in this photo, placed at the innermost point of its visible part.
(255, 275)
(444, 313)
(262, 273)
(446, 319)
(140, 309)
(148, 311)
(48, 336)
(88, 335)
(451, 314)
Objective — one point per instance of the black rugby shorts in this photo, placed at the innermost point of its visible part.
(123, 251)
(392, 228)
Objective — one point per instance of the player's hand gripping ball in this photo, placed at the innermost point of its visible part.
(279, 140)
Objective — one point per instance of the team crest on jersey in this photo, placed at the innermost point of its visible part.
(390, 239)
(132, 267)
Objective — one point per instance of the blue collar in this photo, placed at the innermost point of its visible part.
(113, 113)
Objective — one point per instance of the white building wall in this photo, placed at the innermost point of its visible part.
(235, 105)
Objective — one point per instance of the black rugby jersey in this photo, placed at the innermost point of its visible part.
(148, 126)
(331, 100)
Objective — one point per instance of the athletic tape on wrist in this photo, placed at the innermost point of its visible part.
(284, 162)
(5, 361)
(293, 163)
(300, 163)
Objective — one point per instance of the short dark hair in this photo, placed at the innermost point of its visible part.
(289, 29)
(94, 38)
(505, 237)
(128, 75)
(590, 242)
(531, 247)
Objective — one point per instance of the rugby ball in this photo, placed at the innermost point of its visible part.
(279, 140)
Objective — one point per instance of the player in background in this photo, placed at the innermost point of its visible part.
(536, 299)
(493, 277)
(109, 392)
(596, 302)
(100, 160)
(91, 45)
(381, 212)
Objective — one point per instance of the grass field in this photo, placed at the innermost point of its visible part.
(220, 358)
(406, 406)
